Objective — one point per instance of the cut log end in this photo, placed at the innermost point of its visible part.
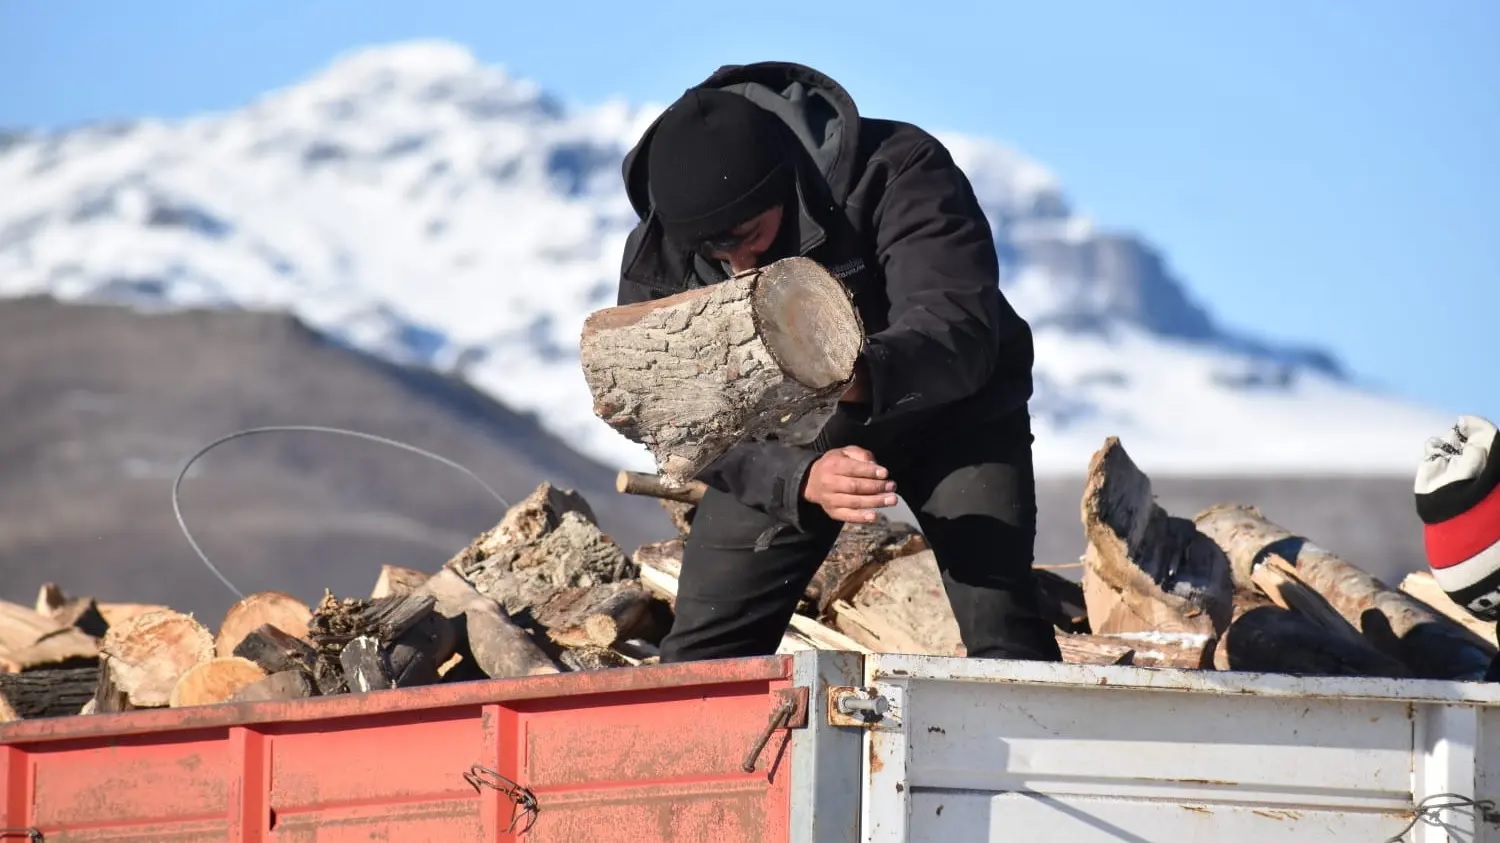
(214, 681)
(276, 608)
(808, 323)
(149, 654)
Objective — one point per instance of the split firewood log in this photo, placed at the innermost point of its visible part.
(1083, 648)
(411, 642)
(55, 692)
(29, 640)
(599, 615)
(1145, 570)
(275, 651)
(764, 354)
(1422, 586)
(860, 551)
(1271, 639)
(395, 580)
(80, 612)
(486, 634)
(276, 608)
(148, 654)
(902, 608)
(546, 543)
(285, 685)
(1430, 645)
(365, 666)
(214, 681)
(1183, 650)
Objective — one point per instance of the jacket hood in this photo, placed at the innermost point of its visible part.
(815, 109)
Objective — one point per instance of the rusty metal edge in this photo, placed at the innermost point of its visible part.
(826, 784)
(402, 700)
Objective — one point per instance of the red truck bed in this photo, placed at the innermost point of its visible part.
(636, 754)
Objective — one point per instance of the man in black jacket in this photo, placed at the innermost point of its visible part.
(765, 161)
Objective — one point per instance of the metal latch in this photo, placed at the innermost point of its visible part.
(788, 711)
(855, 706)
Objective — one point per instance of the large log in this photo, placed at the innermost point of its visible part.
(148, 655)
(765, 354)
(1082, 648)
(276, 608)
(58, 692)
(1145, 570)
(1428, 643)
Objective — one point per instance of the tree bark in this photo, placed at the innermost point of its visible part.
(149, 654)
(1145, 570)
(762, 355)
(59, 692)
(214, 681)
(544, 549)
(277, 608)
(1428, 643)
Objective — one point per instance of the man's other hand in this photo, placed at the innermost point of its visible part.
(849, 485)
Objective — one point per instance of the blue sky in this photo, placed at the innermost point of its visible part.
(1325, 171)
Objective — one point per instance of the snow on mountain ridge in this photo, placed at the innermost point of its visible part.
(417, 204)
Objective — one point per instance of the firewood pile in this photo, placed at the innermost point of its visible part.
(546, 591)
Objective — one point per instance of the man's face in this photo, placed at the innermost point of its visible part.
(742, 246)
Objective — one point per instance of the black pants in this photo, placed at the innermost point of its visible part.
(974, 496)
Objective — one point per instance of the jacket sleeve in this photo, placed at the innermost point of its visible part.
(942, 278)
(767, 476)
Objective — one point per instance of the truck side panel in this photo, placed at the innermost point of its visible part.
(975, 750)
(640, 754)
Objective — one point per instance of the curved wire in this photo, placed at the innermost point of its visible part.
(297, 428)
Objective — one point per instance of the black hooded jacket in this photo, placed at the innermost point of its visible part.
(885, 209)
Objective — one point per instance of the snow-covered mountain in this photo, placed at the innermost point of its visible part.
(430, 209)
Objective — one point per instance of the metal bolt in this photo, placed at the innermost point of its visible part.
(851, 705)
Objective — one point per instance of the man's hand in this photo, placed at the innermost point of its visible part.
(849, 485)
